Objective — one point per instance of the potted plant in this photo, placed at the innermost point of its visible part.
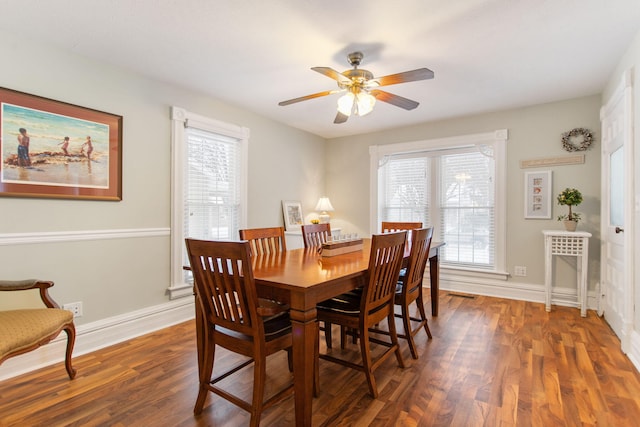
(570, 197)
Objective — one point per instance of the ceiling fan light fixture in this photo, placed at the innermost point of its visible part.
(365, 102)
(345, 103)
(360, 88)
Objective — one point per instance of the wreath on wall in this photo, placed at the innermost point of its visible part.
(578, 139)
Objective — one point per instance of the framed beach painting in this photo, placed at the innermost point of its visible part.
(293, 217)
(537, 195)
(57, 150)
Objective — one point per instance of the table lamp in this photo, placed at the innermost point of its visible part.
(324, 205)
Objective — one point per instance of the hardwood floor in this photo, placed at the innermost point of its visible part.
(492, 362)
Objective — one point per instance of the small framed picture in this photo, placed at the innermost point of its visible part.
(293, 217)
(537, 195)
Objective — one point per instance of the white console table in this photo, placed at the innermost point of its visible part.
(567, 243)
(294, 237)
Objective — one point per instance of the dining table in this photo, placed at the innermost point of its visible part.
(302, 278)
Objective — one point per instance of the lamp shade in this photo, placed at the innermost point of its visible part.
(324, 205)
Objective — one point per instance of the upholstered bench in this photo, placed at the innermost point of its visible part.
(27, 329)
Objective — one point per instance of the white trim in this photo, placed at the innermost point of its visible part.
(102, 333)
(74, 236)
(566, 297)
(634, 349)
(440, 143)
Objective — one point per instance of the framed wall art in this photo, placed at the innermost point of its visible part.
(57, 150)
(537, 195)
(293, 217)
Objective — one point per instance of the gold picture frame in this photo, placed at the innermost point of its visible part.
(52, 149)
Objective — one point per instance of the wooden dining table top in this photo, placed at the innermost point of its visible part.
(307, 268)
(306, 271)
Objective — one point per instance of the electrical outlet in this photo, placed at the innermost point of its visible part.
(520, 270)
(75, 308)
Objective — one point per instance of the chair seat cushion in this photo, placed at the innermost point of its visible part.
(22, 329)
(347, 303)
(277, 325)
(274, 327)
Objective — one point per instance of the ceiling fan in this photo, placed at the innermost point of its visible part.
(359, 87)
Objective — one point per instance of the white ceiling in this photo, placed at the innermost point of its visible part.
(487, 55)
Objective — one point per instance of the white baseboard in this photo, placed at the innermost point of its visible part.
(634, 350)
(566, 297)
(100, 334)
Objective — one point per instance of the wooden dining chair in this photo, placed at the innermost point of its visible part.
(263, 241)
(374, 305)
(314, 235)
(389, 227)
(392, 226)
(409, 289)
(233, 318)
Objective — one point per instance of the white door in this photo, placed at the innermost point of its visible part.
(617, 212)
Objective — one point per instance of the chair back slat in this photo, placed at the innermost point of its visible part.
(420, 246)
(225, 284)
(390, 227)
(387, 251)
(314, 235)
(264, 241)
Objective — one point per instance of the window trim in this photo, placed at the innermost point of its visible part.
(180, 118)
(378, 155)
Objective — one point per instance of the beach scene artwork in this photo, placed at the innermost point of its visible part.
(53, 160)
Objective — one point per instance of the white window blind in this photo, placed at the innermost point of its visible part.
(467, 205)
(212, 190)
(406, 193)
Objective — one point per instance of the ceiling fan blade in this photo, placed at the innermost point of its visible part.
(396, 100)
(304, 98)
(407, 76)
(333, 74)
(340, 118)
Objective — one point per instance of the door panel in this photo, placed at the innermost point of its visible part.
(617, 213)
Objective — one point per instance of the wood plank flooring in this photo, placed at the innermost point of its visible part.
(492, 362)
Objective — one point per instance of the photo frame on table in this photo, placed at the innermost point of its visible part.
(537, 195)
(52, 149)
(293, 217)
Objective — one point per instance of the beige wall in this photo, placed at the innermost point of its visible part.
(116, 276)
(111, 277)
(534, 132)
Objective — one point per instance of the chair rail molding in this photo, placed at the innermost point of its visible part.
(74, 236)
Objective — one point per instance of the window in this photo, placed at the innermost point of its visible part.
(209, 186)
(452, 185)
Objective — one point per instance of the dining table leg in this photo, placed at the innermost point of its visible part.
(434, 276)
(304, 336)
